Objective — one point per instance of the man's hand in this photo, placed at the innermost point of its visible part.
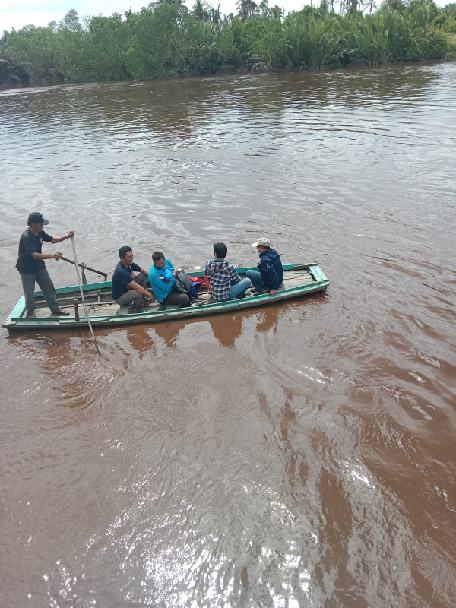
(273, 292)
(57, 255)
(70, 234)
(175, 273)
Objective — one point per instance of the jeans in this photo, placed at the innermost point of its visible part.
(257, 281)
(46, 285)
(239, 288)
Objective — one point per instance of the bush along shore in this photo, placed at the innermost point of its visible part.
(167, 39)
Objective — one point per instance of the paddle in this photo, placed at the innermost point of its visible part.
(84, 267)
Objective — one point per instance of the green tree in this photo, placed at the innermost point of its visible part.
(246, 9)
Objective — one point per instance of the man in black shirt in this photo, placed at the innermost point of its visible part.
(31, 266)
(129, 289)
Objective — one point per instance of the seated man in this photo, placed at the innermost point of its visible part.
(269, 276)
(162, 277)
(129, 289)
(223, 278)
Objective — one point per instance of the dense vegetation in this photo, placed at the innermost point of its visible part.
(167, 39)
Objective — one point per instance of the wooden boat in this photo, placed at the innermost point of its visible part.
(299, 280)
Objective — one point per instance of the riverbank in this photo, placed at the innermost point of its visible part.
(352, 68)
(168, 40)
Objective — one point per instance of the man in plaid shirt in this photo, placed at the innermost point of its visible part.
(224, 280)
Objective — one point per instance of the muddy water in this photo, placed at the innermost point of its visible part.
(301, 455)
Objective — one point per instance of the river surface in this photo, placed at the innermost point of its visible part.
(302, 455)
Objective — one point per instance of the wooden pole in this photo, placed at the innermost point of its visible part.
(76, 265)
(84, 267)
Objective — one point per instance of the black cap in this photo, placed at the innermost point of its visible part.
(36, 218)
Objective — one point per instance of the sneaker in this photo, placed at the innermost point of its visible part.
(250, 292)
(60, 313)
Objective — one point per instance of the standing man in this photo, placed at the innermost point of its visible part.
(129, 289)
(269, 276)
(31, 266)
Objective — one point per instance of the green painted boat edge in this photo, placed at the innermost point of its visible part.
(15, 322)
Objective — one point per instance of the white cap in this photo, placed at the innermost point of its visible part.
(264, 242)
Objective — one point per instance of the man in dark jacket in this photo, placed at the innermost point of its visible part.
(269, 276)
(31, 266)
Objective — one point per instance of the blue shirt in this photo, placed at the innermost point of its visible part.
(162, 280)
(122, 277)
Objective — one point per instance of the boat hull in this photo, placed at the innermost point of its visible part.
(17, 322)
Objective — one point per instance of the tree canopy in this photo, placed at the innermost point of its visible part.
(167, 39)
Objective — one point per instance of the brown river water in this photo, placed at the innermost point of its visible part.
(301, 455)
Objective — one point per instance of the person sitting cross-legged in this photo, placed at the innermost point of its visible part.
(225, 282)
(269, 276)
(165, 283)
(129, 289)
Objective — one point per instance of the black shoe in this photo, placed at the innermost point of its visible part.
(31, 315)
(60, 313)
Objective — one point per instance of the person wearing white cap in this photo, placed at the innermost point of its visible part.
(269, 276)
(31, 266)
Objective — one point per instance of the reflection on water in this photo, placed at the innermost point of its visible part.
(296, 455)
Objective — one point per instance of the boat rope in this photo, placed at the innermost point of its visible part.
(82, 294)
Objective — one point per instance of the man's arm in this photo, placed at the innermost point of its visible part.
(136, 268)
(59, 239)
(207, 270)
(169, 274)
(137, 287)
(46, 256)
(234, 277)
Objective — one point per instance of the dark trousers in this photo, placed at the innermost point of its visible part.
(46, 285)
(176, 298)
(133, 298)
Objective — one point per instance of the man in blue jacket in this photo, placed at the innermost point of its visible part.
(269, 276)
(162, 277)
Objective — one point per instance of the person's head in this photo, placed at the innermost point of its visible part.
(220, 250)
(36, 221)
(126, 255)
(262, 245)
(158, 259)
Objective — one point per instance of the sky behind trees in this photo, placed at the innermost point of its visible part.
(18, 13)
